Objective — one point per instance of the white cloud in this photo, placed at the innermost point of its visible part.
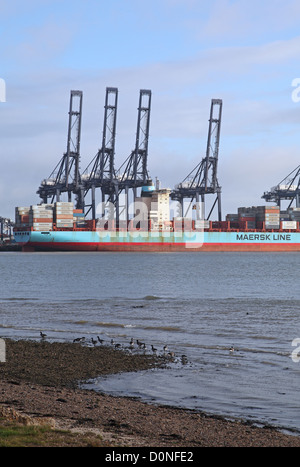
(224, 21)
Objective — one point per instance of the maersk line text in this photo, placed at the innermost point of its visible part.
(275, 237)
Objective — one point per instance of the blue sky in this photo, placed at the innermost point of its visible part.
(187, 52)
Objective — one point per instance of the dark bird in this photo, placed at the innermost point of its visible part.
(100, 340)
(43, 335)
(112, 342)
(93, 341)
(153, 348)
(165, 348)
(117, 346)
(78, 339)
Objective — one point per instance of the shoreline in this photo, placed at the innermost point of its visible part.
(40, 380)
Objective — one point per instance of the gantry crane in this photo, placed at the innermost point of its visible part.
(288, 189)
(100, 173)
(133, 173)
(66, 175)
(203, 180)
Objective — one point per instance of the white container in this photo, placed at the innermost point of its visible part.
(289, 225)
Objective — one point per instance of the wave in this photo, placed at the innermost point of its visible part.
(20, 299)
(151, 297)
(109, 325)
(163, 328)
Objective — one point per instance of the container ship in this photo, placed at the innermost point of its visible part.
(60, 227)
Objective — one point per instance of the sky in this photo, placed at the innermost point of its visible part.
(186, 52)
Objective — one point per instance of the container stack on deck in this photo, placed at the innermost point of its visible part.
(294, 214)
(270, 215)
(264, 217)
(41, 217)
(22, 216)
(63, 215)
(78, 217)
(38, 217)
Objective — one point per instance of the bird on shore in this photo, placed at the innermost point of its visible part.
(131, 344)
(112, 342)
(100, 340)
(165, 348)
(94, 341)
(117, 346)
(153, 349)
(43, 335)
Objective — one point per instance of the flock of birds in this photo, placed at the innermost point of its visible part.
(132, 345)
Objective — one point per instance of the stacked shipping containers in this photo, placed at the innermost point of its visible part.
(247, 218)
(270, 215)
(78, 217)
(41, 217)
(22, 216)
(294, 214)
(63, 215)
(257, 217)
(291, 218)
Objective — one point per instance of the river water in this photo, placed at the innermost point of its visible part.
(199, 304)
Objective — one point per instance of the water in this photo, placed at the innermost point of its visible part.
(198, 304)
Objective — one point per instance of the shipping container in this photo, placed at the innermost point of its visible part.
(201, 224)
(292, 225)
(272, 226)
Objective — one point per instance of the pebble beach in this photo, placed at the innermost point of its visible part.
(41, 380)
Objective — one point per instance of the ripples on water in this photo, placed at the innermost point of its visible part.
(199, 304)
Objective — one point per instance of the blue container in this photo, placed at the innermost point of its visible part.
(148, 188)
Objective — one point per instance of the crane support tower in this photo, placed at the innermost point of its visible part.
(203, 179)
(133, 173)
(66, 175)
(288, 189)
(100, 173)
